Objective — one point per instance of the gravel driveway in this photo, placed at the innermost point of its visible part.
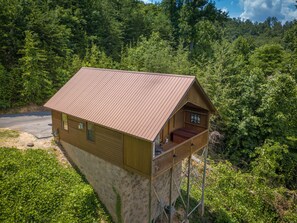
(38, 124)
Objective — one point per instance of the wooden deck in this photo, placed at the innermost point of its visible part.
(178, 152)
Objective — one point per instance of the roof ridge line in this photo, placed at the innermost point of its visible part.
(140, 72)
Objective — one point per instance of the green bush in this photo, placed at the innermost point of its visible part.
(235, 196)
(36, 188)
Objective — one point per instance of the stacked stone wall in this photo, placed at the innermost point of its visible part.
(126, 195)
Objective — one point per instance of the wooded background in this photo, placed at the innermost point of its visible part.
(249, 70)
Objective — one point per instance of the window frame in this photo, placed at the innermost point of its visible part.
(195, 118)
(90, 139)
(65, 124)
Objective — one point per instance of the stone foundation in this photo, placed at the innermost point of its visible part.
(126, 195)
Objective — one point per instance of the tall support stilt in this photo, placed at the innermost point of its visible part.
(203, 180)
(190, 175)
(188, 187)
(150, 201)
(170, 196)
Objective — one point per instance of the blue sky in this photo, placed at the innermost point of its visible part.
(257, 10)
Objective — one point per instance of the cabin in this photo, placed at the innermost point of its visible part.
(126, 131)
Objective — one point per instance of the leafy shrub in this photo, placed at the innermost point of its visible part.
(268, 161)
(36, 188)
(234, 196)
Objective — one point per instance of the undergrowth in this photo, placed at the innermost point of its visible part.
(36, 188)
(235, 196)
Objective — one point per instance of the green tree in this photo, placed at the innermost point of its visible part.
(12, 26)
(278, 107)
(290, 43)
(270, 58)
(6, 88)
(206, 34)
(159, 22)
(156, 55)
(96, 58)
(267, 163)
(243, 46)
(103, 28)
(153, 54)
(193, 12)
(172, 9)
(36, 83)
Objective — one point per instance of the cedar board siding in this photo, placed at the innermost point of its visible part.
(175, 122)
(137, 155)
(108, 144)
(179, 119)
(195, 97)
(203, 121)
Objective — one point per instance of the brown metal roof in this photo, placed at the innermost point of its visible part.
(136, 103)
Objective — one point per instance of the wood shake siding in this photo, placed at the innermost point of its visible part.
(108, 144)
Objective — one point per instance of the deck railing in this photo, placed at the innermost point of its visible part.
(179, 152)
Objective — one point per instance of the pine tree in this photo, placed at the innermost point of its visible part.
(36, 85)
(6, 88)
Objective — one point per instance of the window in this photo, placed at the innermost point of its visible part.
(90, 132)
(64, 121)
(80, 126)
(195, 118)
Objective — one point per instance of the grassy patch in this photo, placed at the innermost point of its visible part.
(36, 188)
(7, 133)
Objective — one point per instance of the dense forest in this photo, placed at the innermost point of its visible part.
(249, 70)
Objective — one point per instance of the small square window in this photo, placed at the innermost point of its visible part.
(80, 126)
(195, 118)
(90, 132)
(64, 121)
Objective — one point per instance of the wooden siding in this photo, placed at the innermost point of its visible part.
(165, 131)
(175, 122)
(193, 96)
(137, 155)
(179, 120)
(108, 144)
(203, 120)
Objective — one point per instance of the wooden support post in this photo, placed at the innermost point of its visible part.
(150, 201)
(203, 180)
(188, 186)
(170, 196)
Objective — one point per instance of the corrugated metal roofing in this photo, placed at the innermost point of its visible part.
(136, 103)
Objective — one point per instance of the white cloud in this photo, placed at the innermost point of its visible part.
(259, 10)
(148, 1)
(224, 9)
